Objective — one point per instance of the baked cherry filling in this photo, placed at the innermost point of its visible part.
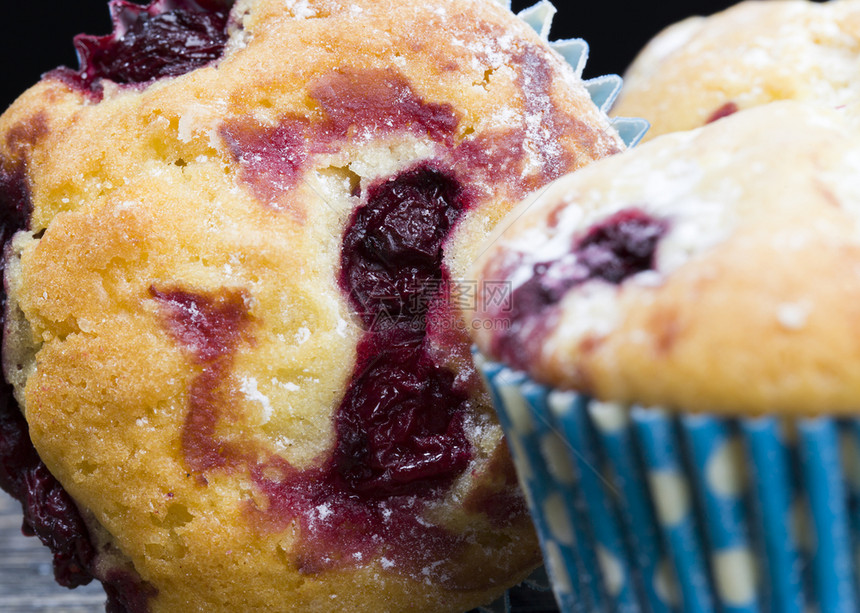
(400, 428)
(729, 108)
(49, 511)
(400, 425)
(166, 38)
(15, 204)
(618, 247)
(613, 250)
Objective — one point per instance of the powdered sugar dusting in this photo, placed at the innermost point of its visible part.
(541, 140)
(669, 188)
(200, 119)
(286, 385)
(793, 315)
(323, 511)
(303, 334)
(591, 311)
(489, 52)
(342, 326)
(666, 190)
(301, 9)
(253, 394)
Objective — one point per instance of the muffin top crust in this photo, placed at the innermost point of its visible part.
(217, 270)
(709, 270)
(704, 68)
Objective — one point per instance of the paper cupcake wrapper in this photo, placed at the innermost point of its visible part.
(641, 510)
(603, 91)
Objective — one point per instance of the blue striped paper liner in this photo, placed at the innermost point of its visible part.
(603, 90)
(640, 509)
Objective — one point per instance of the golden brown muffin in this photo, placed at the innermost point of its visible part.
(230, 241)
(716, 270)
(704, 68)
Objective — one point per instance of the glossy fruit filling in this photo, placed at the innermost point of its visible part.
(166, 38)
(612, 250)
(15, 204)
(400, 426)
(618, 247)
(729, 108)
(49, 512)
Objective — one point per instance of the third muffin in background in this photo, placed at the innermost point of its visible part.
(703, 68)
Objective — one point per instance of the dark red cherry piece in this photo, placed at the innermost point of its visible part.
(165, 38)
(612, 250)
(400, 425)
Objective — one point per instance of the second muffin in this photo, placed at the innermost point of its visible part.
(676, 362)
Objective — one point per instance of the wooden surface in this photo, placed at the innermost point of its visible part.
(27, 578)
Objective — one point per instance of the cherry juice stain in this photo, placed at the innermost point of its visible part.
(400, 427)
(357, 104)
(729, 108)
(166, 38)
(616, 248)
(210, 327)
(345, 508)
(378, 101)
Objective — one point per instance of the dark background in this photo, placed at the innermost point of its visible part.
(36, 35)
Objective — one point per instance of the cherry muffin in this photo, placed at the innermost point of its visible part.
(236, 380)
(677, 367)
(704, 68)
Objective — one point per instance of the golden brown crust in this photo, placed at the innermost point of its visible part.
(157, 189)
(751, 304)
(752, 53)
